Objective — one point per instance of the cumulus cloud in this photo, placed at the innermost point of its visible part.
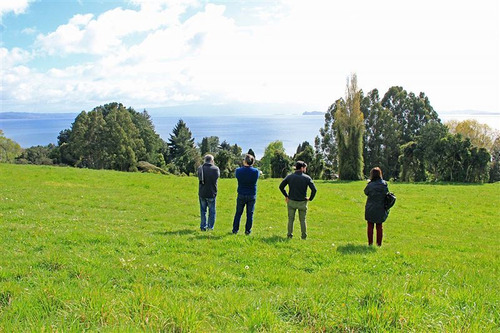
(86, 34)
(15, 6)
(170, 52)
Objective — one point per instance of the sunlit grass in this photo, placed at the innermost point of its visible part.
(111, 251)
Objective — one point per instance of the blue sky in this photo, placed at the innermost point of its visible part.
(68, 56)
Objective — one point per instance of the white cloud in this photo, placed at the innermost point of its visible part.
(99, 36)
(15, 6)
(300, 54)
(14, 57)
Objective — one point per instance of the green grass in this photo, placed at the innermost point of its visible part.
(110, 251)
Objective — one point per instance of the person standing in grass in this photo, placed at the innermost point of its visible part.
(375, 213)
(208, 174)
(247, 177)
(296, 198)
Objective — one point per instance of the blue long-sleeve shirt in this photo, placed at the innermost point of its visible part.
(247, 180)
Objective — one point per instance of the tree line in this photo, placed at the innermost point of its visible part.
(403, 135)
(400, 132)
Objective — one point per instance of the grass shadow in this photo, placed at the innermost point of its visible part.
(275, 239)
(210, 235)
(179, 232)
(356, 249)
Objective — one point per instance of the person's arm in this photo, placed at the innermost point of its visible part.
(313, 190)
(200, 178)
(282, 187)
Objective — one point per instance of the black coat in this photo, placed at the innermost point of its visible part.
(374, 208)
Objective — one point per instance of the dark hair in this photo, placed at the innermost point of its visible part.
(375, 173)
(300, 165)
(249, 159)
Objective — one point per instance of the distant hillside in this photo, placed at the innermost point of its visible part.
(28, 115)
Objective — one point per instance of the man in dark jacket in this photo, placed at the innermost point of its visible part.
(247, 177)
(208, 174)
(296, 198)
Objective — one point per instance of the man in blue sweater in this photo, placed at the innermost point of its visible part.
(247, 177)
(296, 198)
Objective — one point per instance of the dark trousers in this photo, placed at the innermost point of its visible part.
(241, 202)
(380, 233)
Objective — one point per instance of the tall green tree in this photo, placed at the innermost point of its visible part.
(153, 144)
(349, 126)
(381, 137)
(430, 143)
(411, 112)
(111, 136)
(327, 142)
(124, 142)
(209, 145)
(305, 152)
(228, 159)
(280, 164)
(182, 151)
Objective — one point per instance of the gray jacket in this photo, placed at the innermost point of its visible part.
(208, 174)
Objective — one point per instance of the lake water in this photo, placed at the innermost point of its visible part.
(254, 132)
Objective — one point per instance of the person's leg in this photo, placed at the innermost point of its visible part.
(211, 213)
(240, 205)
(250, 202)
(302, 218)
(380, 234)
(203, 214)
(369, 232)
(291, 217)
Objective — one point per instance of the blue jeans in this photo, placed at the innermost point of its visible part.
(204, 204)
(241, 201)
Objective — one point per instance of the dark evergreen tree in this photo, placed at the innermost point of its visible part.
(305, 152)
(209, 145)
(280, 164)
(327, 146)
(182, 151)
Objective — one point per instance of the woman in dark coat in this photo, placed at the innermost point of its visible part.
(375, 213)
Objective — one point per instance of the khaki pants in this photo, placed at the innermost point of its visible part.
(301, 206)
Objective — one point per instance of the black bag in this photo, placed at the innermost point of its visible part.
(390, 200)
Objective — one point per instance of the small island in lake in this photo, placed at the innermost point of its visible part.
(313, 113)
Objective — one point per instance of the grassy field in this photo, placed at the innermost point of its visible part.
(110, 251)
